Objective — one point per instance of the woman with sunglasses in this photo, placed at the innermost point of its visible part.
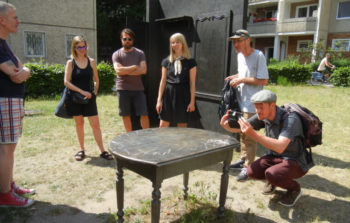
(81, 76)
(176, 95)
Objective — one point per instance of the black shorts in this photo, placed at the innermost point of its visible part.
(137, 99)
(89, 109)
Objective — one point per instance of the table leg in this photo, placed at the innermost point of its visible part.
(155, 215)
(120, 194)
(185, 189)
(223, 188)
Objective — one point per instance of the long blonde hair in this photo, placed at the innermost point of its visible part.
(185, 51)
(75, 41)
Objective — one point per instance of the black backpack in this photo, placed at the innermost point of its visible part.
(228, 99)
(312, 126)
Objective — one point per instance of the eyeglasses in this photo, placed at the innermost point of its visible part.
(81, 47)
(238, 40)
(125, 39)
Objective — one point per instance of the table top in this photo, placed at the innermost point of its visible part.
(159, 145)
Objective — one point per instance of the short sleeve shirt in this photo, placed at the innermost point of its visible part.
(135, 57)
(252, 66)
(289, 126)
(184, 76)
(9, 89)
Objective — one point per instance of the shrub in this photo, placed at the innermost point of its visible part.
(47, 79)
(345, 62)
(107, 77)
(341, 77)
(293, 72)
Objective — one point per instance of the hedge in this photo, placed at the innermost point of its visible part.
(293, 73)
(47, 79)
(341, 77)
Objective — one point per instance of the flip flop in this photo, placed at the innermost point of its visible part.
(79, 156)
(106, 155)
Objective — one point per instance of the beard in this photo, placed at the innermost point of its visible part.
(127, 46)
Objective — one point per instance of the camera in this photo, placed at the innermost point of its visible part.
(233, 117)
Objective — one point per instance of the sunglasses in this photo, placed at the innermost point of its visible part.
(125, 39)
(81, 48)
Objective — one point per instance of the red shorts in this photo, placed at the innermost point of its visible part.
(11, 116)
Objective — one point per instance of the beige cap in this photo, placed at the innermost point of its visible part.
(240, 33)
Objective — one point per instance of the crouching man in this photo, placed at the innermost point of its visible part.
(286, 159)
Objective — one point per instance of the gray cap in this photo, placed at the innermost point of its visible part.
(240, 33)
(263, 96)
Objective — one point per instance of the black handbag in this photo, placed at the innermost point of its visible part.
(61, 110)
(78, 98)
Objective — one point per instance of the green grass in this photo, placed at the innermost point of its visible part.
(44, 160)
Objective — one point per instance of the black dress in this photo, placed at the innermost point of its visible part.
(82, 78)
(177, 93)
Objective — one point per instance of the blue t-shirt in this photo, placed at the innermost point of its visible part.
(9, 89)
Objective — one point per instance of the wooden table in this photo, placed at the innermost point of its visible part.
(160, 153)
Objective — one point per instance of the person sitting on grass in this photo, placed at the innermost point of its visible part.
(286, 159)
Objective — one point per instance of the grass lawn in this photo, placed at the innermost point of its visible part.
(71, 191)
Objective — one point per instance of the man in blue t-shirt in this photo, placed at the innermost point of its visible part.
(287, 156)
(12, 77)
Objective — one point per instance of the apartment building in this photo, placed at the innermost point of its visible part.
(282, 28)
(48, 26)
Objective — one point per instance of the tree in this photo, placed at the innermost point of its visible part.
(112, 17)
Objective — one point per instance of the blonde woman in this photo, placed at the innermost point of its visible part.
(81, 76)
(176, 95)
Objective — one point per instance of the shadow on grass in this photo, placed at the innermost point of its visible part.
(316, 182)
(208, 214)
(329, 162)
(98, 161)
(47, 212)
(313, 209)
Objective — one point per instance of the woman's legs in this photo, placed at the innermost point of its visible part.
(182, 125)
(163, 124)
(79, 124)
(95, 125)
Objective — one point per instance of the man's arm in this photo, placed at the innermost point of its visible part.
(248, 80)
(123, 70)
(277, 145)
(140, 70)
(328, 64)
(17, 75)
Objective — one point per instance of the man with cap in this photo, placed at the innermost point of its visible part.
(286, 158)
(251, 77)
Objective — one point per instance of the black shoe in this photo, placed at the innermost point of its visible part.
(237, 165)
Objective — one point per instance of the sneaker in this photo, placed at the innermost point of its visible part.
(268, 189)
(21, 191)
(290, 198)
(237, 165)
(242, 175)
(10, 199)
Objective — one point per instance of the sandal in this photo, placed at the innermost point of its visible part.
(80, 155)
(106, 155)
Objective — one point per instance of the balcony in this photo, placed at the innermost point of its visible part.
(297, 25)
(263, 27)
(261, 2)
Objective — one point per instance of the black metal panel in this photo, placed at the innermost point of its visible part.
(206, 24)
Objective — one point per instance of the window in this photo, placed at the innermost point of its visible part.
(341, 44)
(306, 11)
(34, 44)
(303, 45)
(343, 10)
(68, 43)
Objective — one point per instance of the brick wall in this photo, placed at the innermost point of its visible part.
(338, 36)
(261, 43)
